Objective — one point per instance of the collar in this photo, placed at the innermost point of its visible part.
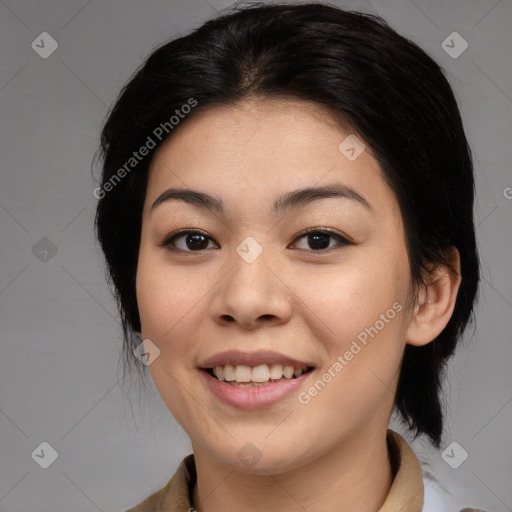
(405, 495)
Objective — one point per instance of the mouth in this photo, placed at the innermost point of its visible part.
(256, 376)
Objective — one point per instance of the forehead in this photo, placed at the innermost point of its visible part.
(262, 148)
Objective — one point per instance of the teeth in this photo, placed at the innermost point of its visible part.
(276, 371)
(288, 372)
(219, 372)
(229, 372)
(243, 373)
(258, 374)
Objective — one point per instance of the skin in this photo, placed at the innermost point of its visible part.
(304, 302)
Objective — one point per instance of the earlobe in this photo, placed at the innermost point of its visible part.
(436, 302)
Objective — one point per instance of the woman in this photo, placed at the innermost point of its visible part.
(286, 211)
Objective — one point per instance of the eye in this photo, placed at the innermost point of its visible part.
(193, 241)
(196, 241)
(319, 239)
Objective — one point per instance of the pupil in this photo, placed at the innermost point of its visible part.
(317, 239)
(193, 245)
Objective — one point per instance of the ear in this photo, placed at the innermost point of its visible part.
(436, 302)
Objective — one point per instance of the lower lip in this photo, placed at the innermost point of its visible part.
(252, 397)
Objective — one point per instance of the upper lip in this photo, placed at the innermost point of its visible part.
(237, 357)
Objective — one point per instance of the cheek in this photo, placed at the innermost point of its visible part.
(169, 302)
(358, 316)
(361, 334)
(169, 305)
(340, 303)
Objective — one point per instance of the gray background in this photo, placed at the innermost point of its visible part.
(60, 380)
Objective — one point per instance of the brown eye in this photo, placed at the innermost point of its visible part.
(189, 241)
(319, 240)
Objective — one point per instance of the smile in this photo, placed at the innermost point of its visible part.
(260, 375)
(251, 395)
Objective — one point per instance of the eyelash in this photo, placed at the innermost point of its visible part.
(168, 241)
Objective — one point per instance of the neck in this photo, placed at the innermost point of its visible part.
(356, 475)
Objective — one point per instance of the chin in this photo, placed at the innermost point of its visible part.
(262, 458)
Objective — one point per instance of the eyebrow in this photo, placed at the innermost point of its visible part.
(289, 201)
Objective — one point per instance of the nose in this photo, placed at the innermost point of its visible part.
(253, 292)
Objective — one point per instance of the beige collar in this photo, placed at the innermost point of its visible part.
(405, 495)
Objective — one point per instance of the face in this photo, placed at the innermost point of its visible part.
(238, 284)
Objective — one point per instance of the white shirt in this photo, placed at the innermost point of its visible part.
(432, 498)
